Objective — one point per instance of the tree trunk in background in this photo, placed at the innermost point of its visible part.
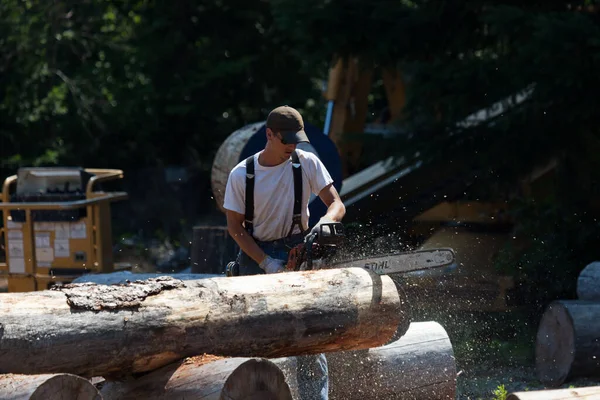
(567, 343)
(418, 366)
(227, 157)
(47, 387)
(95, 330)
(588, 283)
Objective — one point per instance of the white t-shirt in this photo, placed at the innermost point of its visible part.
(274, 193)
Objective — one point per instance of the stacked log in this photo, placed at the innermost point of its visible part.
(47, 387)
(588, 393)
(98, 330)
(568, 341)
(144, 337)
(568, 337)
(418, 366)
(204, 377)
(588, 282)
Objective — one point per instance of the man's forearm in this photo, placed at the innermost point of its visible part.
(247, 243)
(336, 211)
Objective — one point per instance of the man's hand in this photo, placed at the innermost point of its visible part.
(272, 265)
(317, 228)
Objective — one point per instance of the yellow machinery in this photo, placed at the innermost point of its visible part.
(56, 225)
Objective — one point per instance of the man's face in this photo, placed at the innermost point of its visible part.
(280, 147)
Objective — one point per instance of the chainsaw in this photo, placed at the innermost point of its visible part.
(320, 250)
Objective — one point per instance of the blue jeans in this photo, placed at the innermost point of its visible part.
(311, 370)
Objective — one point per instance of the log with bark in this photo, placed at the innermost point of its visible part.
(418, 366)
(47, 387)
(124, 277)
(568, 341)
(202, 378)
(588, 282)
(587, 393)
(98, 330)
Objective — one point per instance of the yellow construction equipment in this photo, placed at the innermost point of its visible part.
(56, 225)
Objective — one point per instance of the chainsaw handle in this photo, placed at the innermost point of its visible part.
(308, 244)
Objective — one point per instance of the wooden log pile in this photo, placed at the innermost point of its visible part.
(47, 386)
(174, 337)
(568, 337)
(418, 366)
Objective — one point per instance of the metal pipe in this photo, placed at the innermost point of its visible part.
(328, 117)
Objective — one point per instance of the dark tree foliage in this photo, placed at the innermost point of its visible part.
(128, 84)
(539, 59)
(139, 83)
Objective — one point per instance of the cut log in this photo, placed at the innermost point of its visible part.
(124, 277)
(587, 393)
(212, 249)
(588, 283)
(201, 378)
(95, 330)
(568, 342)
(47, 387)
(256, 380)
(227, 157)
(418, 366)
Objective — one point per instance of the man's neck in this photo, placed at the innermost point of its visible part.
(267, 159)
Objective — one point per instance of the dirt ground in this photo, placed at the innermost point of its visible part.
(481, 383)
(495, 353)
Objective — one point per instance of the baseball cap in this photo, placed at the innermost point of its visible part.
(287, 121)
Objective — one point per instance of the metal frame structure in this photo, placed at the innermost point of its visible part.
(39, 268)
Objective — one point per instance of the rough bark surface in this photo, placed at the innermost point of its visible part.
(418, 366)
(588, 282)
(100, 330)
(125, 277)
(47, 387)
(567, 342)
(587, 393)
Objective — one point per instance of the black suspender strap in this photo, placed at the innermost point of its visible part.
(249, 194)
(297, 170)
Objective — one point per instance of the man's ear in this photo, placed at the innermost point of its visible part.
(270, 134)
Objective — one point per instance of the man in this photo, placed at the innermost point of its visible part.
(278, 213)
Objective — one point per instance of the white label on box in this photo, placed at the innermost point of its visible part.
(61, 248)
(15, 248)
(44, 254)
(78, 230)
(13, 234)
(43, 226)
(16, 265)
(62, 230)
(42, 239)
(14, 225)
